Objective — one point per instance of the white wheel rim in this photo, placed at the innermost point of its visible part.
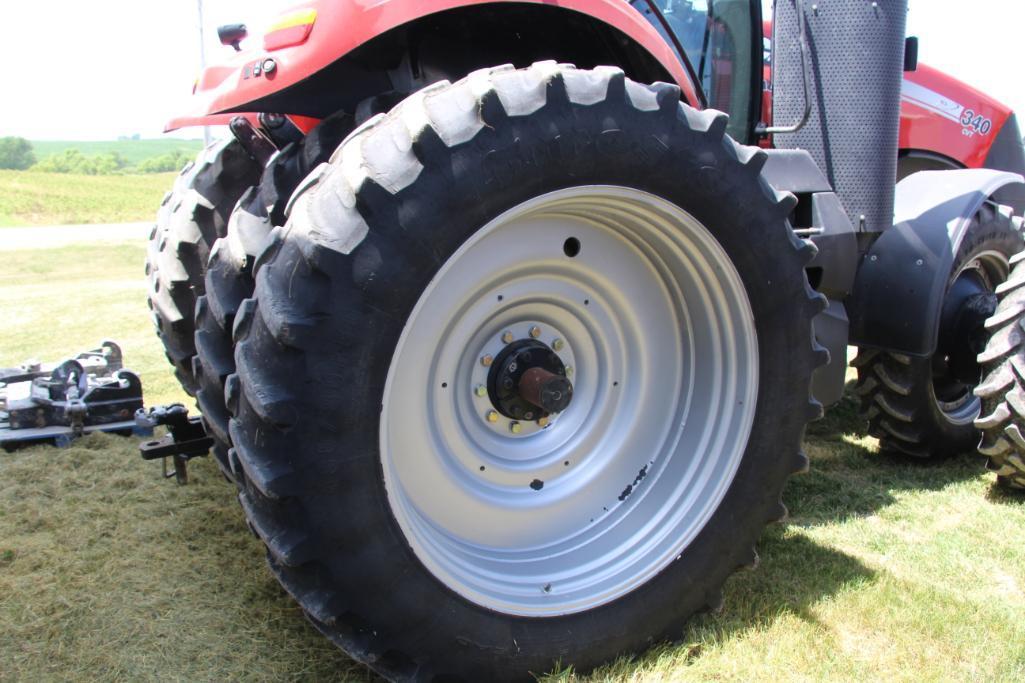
(660, 331)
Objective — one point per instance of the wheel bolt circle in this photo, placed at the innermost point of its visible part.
(509, 358)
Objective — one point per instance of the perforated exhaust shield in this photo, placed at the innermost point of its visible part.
(854, 66)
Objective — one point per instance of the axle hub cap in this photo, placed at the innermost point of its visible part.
(528, 381)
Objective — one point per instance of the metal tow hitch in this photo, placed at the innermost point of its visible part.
(186, 438)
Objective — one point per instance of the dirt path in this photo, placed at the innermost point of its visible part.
(49, 236)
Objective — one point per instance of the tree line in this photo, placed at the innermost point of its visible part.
(17, 154)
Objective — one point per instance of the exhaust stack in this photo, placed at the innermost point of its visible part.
(853, 61)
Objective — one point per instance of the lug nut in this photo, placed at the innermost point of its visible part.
(569, 370)
(507, 337)
(492, 416)
(543, 422)
(515, 427)
(558, 344)
(481, 390)
(486, 361)
(535, 331)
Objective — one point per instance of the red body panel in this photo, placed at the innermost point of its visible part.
(942, 115)
(939, 114)
(343, 25)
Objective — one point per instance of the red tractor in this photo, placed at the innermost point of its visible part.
(510, 359)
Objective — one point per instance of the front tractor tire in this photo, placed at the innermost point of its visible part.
(925, 407)
(1002, 391)
(534, 228)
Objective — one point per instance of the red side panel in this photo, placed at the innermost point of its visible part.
(942, 115)
(343, 25)
(304, 123)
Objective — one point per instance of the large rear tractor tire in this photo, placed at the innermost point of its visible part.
(925, 407)
(1002, 391)
(229, 275)
(524, 375)
(191, 217)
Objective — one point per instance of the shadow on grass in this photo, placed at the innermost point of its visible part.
(850, 476)
(794, 574)
(1002, 495)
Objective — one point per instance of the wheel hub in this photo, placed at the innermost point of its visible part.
(969, 302)
(522, 378)
(528, 381)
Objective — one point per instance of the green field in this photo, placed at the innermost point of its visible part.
(31, 198)
(886, 570)
(56, 302)
(133, 151)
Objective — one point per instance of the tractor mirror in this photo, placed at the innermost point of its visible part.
(911, 53)
(232, 34)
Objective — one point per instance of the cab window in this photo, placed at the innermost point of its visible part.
(719, 40)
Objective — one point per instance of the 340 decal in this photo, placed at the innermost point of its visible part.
(973, 123)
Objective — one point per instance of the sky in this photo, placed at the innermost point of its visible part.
(99, 69)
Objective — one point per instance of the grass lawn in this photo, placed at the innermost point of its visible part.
(31, 198)
(133, 151)
(886, 570)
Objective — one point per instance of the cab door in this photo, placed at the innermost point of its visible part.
(721, 45)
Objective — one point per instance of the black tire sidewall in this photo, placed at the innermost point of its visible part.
(361, 302)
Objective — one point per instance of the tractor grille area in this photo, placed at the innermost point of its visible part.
(855, 67)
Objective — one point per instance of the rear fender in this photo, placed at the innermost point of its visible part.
(342, 26)
(901, 282)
